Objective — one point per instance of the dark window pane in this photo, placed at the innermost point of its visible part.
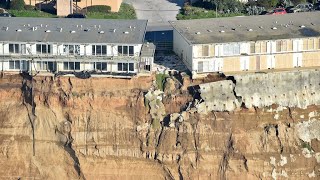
(104, 66)
(93, 50)
(11, 48)
(98, 50)
(104, 50)
(131, 67)
(44, 48)
(125, 66)
(17, 64)
(11, 64)
(49, 49)
(77, 64)
(71, 65)
(65, 66)
(119, 66)
(130, 50)
(39, 48)
(16, 48)
(51, 66)
(98, 66)
(125, 50)
(120, 49)
(71, 49)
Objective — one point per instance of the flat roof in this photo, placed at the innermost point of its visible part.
(249, 28)
(72, 30)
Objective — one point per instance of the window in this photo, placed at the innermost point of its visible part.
(310, 44)
(125, 67)
(257, 47)
(125, 51)
(99, 50)
(231, 49)
(17, 48)
(252, 47)
(281, 46)
(205, 50)
(71, 49)
(45, 66)
(43, 48)
(278, 46)
(100, 66)
(18, 65)
(71, 66)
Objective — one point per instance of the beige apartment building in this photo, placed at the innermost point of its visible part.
(251, 43)
(65, 7)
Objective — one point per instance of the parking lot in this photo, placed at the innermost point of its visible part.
(156, 11)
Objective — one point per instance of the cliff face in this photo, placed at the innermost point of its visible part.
(102, 128)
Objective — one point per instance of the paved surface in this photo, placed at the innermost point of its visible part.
(156, 11)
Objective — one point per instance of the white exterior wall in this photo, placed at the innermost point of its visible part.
(82, 50)
(6, 48)
(54, 49)
(1, 48)
(88, 50)
(137, 49)
(181, 47)
(245, 48)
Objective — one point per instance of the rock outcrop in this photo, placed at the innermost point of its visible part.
(103, 128)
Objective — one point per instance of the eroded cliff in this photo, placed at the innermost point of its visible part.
(103, 128)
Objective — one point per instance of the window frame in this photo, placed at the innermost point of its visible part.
(45, 49)
(102, 47)
(129, 48)
(21, 48)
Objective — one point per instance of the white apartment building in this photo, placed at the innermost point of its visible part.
(70, 45)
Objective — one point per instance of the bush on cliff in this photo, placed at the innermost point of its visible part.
(17, 4)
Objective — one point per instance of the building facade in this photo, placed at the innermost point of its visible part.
(72, 45)
(254, 43)
(65, 7)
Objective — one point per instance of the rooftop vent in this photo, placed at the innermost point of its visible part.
(198, 32)
(126, 32)
(233, 29)
(222, 31)
(28, 25)
(86, 30)
(114, 30)
(209, 30)
(99, 26)
(40, 25)
(6, 28)
(302, 26)
(72, 31)
(261, 27)
(47, 31)
(250, 30)
(34, 28)
(60, 29)
(274, 28)
(19, 30)
(101, 32)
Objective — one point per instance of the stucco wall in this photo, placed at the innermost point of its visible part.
(183, 49)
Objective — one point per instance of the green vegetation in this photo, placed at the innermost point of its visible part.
(17, 4)
(306, 145)
(155, 124)
(160, 80)
(126, 12)
(30, 13)
(191, 12)
(98, 8)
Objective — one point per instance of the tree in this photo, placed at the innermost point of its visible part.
(225, 5)
(17, 4)
(268, 4)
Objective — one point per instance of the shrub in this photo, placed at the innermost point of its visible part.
(29, 7)
(99, 8)
(160, 80)
(17, 4)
